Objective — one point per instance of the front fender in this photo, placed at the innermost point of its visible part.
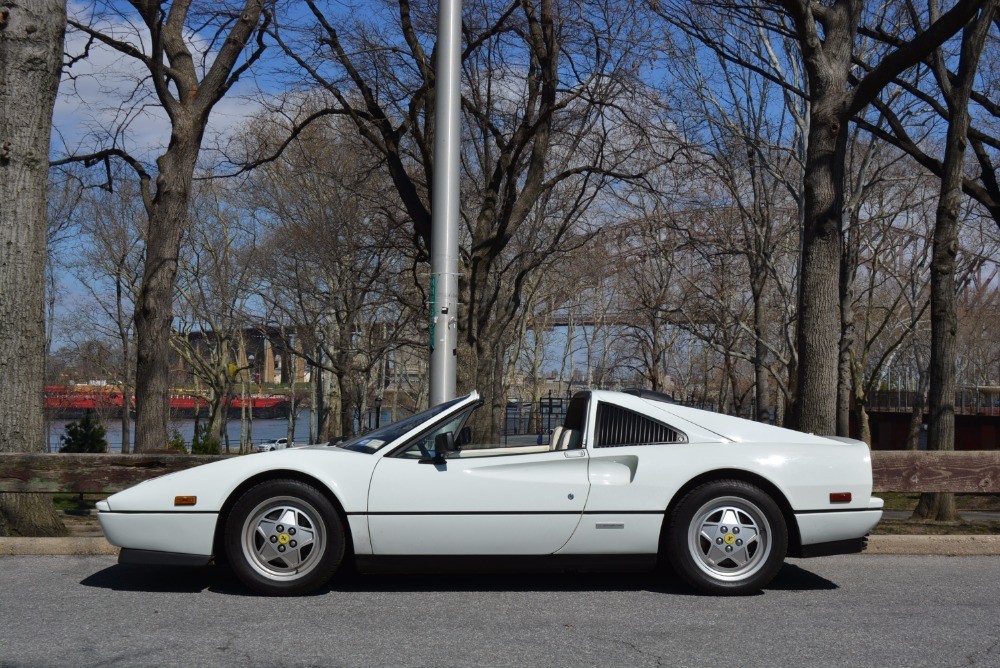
(344, 472)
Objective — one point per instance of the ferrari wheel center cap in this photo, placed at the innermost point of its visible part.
(284, 538)
(729, 538)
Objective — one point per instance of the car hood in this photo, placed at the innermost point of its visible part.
(343, 472)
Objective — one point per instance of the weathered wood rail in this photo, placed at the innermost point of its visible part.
(894, 471)
(97, 474)
(969, 471)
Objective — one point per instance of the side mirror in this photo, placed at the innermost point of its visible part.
(442, 444)
(464, 436)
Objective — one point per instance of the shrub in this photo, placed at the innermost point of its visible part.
(176, 442)
(204, 442)
(87, 435)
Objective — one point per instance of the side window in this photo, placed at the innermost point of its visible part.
(423, 445)
(617, 427)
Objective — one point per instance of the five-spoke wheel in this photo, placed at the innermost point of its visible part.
(284, 537)
(727, 537)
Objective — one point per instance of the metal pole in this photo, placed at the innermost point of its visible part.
(444, 203)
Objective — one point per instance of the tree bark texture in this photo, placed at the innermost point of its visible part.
(155, 303)
(845, 376)
(31, 45)
(819, 323)
(827, 64)
(917, 414)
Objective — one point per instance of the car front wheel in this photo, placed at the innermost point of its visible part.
(727, 537)
(284, 537)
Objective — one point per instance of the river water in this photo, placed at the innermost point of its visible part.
(263, 430)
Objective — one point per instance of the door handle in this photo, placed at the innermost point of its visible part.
(571, 454)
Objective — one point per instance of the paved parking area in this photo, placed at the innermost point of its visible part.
(838, 611)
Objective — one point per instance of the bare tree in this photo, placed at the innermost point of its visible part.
(333, 267)
(908, 131)
(110, 269)
(539, 83)
(191, 57)
(31, 37)
(944, 319)
(217, 279)
(826, 35)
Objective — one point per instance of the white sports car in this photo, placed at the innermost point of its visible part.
(628, 481)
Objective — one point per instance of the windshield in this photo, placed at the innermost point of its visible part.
(374, 440)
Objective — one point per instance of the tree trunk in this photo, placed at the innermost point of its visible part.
(31, 47)
(154, 310)
(126, 416)
(944, 318)
(762, 406)
(345, 407)
(845, 377)
(917, 414)
(818, 336)
(216, 423)
(864, 423)
(481, 367)
(329, 419)
(292, 404)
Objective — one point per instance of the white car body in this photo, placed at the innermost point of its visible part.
(603, 503)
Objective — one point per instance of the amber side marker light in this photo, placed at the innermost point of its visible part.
(185, 500)
(840, 497)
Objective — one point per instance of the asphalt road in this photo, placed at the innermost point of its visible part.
(836, 611)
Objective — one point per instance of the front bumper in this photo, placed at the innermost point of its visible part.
(186, 533)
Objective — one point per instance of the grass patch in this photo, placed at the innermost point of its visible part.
(900, 501)
(76, 503)
(929, 528)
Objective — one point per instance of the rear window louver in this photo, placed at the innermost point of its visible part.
(618, 427)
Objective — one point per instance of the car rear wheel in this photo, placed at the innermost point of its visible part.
(727, 537)
(284, 537)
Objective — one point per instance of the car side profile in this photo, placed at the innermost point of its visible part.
(628, 481)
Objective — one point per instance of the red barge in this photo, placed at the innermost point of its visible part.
(72, 402)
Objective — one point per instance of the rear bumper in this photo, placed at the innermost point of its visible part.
(834, 526)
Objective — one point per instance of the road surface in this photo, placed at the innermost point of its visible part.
(837, 611)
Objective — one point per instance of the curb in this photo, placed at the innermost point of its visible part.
(81, 546)
(947, 546)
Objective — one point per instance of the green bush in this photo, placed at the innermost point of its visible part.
(176, 442)
(204, 442)
(87, 435)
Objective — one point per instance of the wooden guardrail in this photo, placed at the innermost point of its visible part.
(97, 474)
(968, 471)
(894, 471)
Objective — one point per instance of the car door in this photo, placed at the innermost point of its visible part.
(485, 502)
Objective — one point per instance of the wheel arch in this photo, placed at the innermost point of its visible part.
(794, 540)
(280, 474)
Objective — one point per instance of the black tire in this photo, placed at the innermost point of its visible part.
(707, 541)
(292, 517)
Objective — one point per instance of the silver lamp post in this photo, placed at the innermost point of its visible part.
(444, 203)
